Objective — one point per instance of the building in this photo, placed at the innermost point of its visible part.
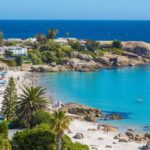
(17, 51)
(32, 40)
(62, 41)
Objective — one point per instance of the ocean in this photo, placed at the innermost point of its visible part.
(112, 91)
(94, 30)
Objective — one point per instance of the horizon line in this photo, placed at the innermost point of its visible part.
(74, 19)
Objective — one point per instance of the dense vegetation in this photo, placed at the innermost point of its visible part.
(29, 102)
(42, 138)
(44, 131)
(46, 50)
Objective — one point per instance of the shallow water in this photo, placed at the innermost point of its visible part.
(115, 90)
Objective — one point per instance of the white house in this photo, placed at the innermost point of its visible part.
(62, 41)
(32, 40)
(17, 51)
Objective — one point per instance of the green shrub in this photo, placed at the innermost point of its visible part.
(4, 144)
(40, 117)
(42, 138)
(39, 138)
(116, 44)
(11, 63)
(36, 60)
(67, 144)
(92, 45)
(116, 51)
(4, 129)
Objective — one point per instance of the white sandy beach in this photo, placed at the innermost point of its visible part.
(97, 139)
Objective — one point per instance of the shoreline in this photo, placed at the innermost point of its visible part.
(93, 137)
(122, 127)
(98, 139)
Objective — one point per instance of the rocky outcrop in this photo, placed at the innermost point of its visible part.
(134, 53)
(147, 135)
(146, 147)
(47, 68)
(139, 48)
(107, 128)
(131, 136)
(113, 117)
(84, 57)
(81, 65)
(85, 112)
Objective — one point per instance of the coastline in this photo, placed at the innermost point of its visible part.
(93, 137)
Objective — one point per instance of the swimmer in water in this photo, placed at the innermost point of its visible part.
(139, 99)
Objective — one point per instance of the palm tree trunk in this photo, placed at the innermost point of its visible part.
(58, 142)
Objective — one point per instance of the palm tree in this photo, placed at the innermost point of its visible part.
(52, 33)
(31, 99)
(59, 123)
(1, 39)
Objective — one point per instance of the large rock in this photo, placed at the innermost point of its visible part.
(78, 136)
(53, 64)
(103, 60)
(113, 117)
(139, 48)
(85, 57)
(87, 113)
(123, 139)
(147, 146)
(90, 118)
(129, 134)
(147, 135)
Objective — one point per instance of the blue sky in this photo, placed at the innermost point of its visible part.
(75, 9)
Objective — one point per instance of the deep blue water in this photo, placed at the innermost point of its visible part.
(96, 30)
(115, 90)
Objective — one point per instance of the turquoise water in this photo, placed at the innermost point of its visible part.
(115, 90)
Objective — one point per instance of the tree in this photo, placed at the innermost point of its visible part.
(4, 129)
(92, 45)
(31, 100)
(19, 60)
(76, 46)
(59, 123)
(40, 117)
(10, 100)
(67, 34)
(116, 44)
(1, 38)
(52, 33)
(4, 144)
(41, 38)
